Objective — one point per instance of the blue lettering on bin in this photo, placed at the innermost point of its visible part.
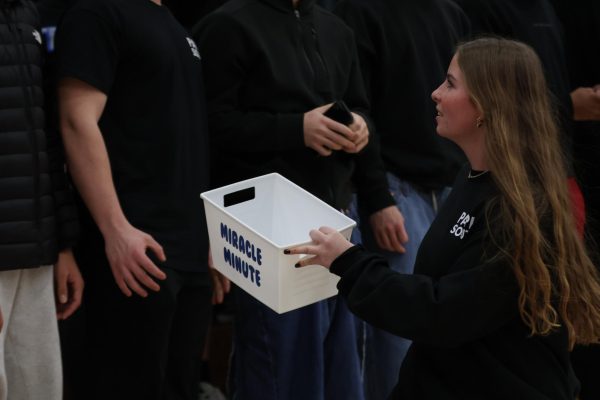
(238, 264)
(245, 269)
(242, 244)
(245, 248)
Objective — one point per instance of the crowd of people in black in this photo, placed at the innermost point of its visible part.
(470, 164)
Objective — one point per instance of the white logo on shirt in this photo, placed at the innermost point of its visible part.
(195, 51)
(37, 36)
(463, 225)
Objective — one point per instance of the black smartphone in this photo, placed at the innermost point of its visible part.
(340, 112)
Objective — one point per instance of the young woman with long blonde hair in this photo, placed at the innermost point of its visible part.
(503, 287)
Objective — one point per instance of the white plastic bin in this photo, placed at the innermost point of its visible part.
(251, 222)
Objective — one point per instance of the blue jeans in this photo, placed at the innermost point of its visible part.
(306, 354)
(383, 352)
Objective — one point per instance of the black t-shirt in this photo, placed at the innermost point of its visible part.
(154, 122)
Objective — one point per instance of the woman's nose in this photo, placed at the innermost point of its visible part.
(435, 95)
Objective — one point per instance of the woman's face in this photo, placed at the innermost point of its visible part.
(456, 113)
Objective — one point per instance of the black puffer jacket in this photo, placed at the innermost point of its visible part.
(37, 218)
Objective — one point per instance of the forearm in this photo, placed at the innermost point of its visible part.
(90, 168)
(125, 245)
(459, 307)
(81, 106)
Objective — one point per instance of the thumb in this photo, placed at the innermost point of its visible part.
(210, 260)
(226, 284)
(61, 287)
(403, 235)
(327, 229)
(323, 108)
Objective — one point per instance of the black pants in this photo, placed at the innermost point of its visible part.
(150, 348)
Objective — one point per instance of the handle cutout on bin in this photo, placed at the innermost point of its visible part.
(231, 199)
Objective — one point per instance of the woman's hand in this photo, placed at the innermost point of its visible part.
(327, 245)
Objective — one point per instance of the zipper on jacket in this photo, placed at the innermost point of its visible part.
(313, 58)
(322, 79)
(21, 58)
(30, 120)
(304, 52)
(317, 52)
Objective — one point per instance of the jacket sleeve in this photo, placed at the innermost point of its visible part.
(370, 178)
(369, 38)
(476, 298)
(370, 175)
(226, 61)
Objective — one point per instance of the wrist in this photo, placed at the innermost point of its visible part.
(113, 225)
(65, 254)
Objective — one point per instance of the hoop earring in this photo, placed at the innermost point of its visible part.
(479, 122)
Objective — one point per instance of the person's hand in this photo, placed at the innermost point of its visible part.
(359, 126)
(324, 135)
(131, 267)
(327, 245)
(388, 227)
(68, 285)
(221, 285)
(586, 104)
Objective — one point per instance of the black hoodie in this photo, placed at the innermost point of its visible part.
(265, 65)
(460, 309)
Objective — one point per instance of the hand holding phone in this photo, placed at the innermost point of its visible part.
(325, 135)
(339, 112)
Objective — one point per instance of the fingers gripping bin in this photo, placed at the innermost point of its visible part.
(250, 223)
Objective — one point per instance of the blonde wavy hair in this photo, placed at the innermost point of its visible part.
(558, 282)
